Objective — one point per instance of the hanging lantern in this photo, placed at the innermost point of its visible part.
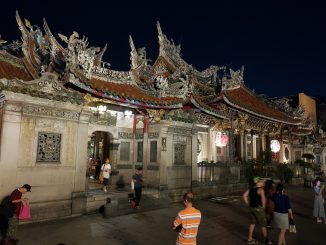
(275, 146)
(221, 139)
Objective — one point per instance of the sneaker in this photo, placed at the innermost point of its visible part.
(267, 241)
(105, 190)
(252, 241)
(318, 220)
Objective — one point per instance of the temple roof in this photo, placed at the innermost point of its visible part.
(169, 83)
(244, 100)
(12, 68)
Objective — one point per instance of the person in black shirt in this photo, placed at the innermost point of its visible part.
(138, 185)
(256, 200)
(282, 212)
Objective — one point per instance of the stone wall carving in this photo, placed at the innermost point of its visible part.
(48, 147)
(178, 130)
(153, 135)
(51, 112)
(125, 135)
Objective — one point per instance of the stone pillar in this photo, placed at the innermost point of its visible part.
(163, 185)
(263, 142)
(10, 146)
(146, 150)
(78, 196)
(242, 145)
(194, 167)
(231, 146)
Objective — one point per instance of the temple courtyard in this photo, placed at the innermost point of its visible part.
(225, 221)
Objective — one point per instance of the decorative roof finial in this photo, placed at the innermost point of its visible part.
(133, 54)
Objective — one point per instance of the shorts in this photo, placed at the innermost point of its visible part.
(258, 216)
(105, 181)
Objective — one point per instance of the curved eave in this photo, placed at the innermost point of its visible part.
(209, 112)
(124, 99)
(256, 107)
(13, 71)
(301, 131)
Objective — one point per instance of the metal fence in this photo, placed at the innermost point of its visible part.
(219, 173)
(211, 173)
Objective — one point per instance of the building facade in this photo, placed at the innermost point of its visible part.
(61, 105)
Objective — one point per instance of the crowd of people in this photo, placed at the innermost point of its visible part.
(268, 204)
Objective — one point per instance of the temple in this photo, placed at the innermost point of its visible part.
(61, 104)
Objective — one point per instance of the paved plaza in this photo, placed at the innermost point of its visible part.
(224, 221)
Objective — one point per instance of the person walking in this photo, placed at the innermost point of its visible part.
(255, 198)
(270, 206)
(98, 167)
(137, 179)
(319, 209)
(17, 200)
(188, 220)
(282, 212)
(106, 168)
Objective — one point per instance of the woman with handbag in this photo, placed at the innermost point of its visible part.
(282, 214)
(319, 210)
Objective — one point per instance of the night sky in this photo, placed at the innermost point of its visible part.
(282, 47)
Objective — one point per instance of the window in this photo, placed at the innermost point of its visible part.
(48, 147)
(140, 151)
(153, 151)
(125, 151)
(179, 153)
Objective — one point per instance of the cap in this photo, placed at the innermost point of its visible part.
(256, 179)
(27, 187)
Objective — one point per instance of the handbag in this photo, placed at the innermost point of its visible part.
(25, 213)
(101, 177)
(292, 227)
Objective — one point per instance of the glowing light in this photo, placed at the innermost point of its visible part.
(221, 139)
(275, 146)
(128, 113)
(101, 109)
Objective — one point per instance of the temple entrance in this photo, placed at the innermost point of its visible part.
(98, 150)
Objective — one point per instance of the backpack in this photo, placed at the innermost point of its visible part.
(7, 208)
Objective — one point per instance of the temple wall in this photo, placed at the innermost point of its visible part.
(53, 182)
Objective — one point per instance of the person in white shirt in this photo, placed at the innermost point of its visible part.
(106, 168)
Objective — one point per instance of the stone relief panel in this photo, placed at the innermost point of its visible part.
(153, 135)
(51, 112)
(69, 148)
(27, 145)
(163, 144)
(49, 125)
(125, 135)
(48, 147)
(179, 138)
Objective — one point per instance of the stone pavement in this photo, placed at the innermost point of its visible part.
(225, 221)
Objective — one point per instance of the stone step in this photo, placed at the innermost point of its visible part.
(122, 206)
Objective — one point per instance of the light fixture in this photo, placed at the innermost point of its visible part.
(128, 113)
(221, 139)
(275, 146)
(101, 109)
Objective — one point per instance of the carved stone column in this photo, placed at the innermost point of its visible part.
(243, 145)
(231, 145)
